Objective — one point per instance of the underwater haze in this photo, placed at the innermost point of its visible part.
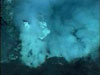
(57, 28)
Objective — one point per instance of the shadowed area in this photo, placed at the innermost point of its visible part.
(53, 67)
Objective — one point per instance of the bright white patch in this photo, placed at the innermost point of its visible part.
(45, 30)
(26, 24)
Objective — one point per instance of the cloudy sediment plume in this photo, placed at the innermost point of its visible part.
(57, 28)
